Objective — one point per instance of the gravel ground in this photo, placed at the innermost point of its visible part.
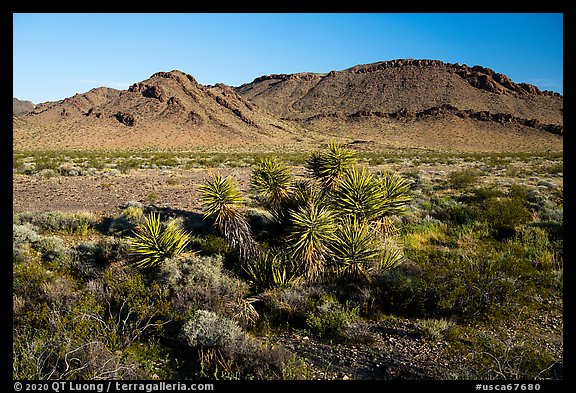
(106, 194)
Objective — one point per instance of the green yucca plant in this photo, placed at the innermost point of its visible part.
(358, 249)
(397, 190)
(221, 198)
(391, 255)
(312, 228)
(272, 269)
(359, 194)
(327, 167)
(302, 192)
(154, 242)
(370, 197)
(273, 180)
(385, 227)
(355, 249)
(306, 192)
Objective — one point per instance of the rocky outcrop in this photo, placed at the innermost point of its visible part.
(306, 76)
(478, 76)
(235, 110)
(447, 109)
(149, 91)
(125, 118)
(95, 113)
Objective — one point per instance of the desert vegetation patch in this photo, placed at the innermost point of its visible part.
(328, 264)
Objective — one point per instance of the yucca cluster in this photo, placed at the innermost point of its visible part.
(335, 223)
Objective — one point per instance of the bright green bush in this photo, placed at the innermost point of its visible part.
(435, 329)
(213, 244)
(505, 214)
(127, 221)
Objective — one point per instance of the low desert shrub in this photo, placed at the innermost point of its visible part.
(289, 305)
(127, 221)
(24, 233)
(206, 329)
(329, 317)
(53, 251)
(446, 283)
(512, 359)
(435, 329)
(201, 282)
(77, 223)
(505, 214)
(213, 244)
(462, 179)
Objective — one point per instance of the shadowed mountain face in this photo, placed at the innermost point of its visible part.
(20, 107)
(416, 104)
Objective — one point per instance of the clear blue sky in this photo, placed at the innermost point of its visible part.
(58, 55)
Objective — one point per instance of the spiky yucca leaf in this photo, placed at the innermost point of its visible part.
(358, 194)
(221, 198)
(397, 190)
(273, 180)
(153, 242)
(355, 249)
(391, 256)
(385, 227)
(312, 228)
(306, 192)
(302, 192)
(272, 269)
(328, 166)
(370, 197)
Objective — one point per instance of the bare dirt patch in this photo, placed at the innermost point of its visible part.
(106, 194)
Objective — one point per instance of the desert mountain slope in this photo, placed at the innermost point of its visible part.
(403, 87)
(168, 110)
(21, 107)
(398, 104)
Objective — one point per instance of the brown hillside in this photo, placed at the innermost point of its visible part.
(406, 88)
(416, 104)
(20, 107)
(168, 110)
(412, 84)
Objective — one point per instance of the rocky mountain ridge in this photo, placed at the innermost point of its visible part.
(416, 85)
(427, 99)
